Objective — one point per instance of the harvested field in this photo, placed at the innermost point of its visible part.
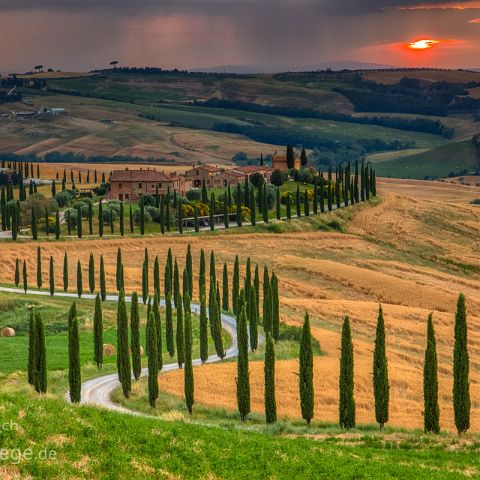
(454, 76)
(413, 251)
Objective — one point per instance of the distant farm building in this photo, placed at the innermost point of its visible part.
(202, 172)
(279, 162)
(132, 184)
(216, 177)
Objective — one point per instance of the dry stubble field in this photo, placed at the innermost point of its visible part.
(412, 254)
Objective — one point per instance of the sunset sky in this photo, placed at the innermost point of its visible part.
(87, 34)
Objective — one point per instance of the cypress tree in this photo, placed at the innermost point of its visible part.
(31, 348)
(158, 327)
(288, 206)
(103, 288)
(306, 372)
(213, 270)
(169, 325)
(239, 205)
(267, 302)
(79, 279)
(34, 226)
(142, 218)
(79, 223)
(152, 360)
(176, 284)
(202, 285)
(100, 219)
(347, 402)
(189, 386)
(131, 220)
(39, 268)
(168, 273)
(297, 202)
(218, 328)
(247, 281)
(362, 186)
(306, 204)
(145, 290)
(380, 373)
(65, 272)
(51, 277)
(315, 195)
(253, 318)
(167, 210)
(123, 356)
(243, 381)
(98, 333)
(57, 224)
(235, 285)
(204, 192)
(180, 339)
(246, 190)
(91, 273)
(265, 204)
(74, 372)
(122, 226)
(275, 308)
(277, 204)
(40, 361)
(203, 328)
(461, 384)
(225, 295)
(90, 218)
(431, 412)
(269, 375)
(256, 283)
(253, 212)
(135, 337)
(212, 212)
(47, 224)
(156, 277)
(17, 272)
(118, 270)
(180, 217)
(69, 223)
(189, 268)
(226, 213)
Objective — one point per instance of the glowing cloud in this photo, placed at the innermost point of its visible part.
(423, 44)
(474, 20)
(473, 4)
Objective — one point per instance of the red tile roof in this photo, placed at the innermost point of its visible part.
(253, 168)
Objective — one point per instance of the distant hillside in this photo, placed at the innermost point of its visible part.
(256, 69)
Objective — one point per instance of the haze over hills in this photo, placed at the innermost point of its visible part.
(332, 65)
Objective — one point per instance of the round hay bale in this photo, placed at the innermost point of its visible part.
(108, 349)
(7, 332)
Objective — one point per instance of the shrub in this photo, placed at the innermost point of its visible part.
(277, 178)
(63, 199)
(136, 217)
(256, 179)
(147, 200)
(194, 195)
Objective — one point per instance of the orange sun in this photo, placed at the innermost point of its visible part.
(423, 44)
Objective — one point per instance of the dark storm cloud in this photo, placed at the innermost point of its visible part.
(329, 6)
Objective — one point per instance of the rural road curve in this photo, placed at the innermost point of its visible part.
(98, 391)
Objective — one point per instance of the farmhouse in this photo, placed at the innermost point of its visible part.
(132, 184)
(279, 162)
(202, 172)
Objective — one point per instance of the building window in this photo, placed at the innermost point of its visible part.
(119, 185)
(140, 186)
(159, 185)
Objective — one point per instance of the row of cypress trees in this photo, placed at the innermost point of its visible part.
(381, 387)
(346, 188)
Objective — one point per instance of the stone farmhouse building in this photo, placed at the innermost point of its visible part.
(129, 184)
(279, 162)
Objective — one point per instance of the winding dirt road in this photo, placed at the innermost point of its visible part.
(98, 391)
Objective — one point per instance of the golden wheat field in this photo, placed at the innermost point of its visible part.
(413, 251)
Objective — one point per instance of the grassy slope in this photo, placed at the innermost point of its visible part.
(54, 311)
(175, 450)
(438, 162)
